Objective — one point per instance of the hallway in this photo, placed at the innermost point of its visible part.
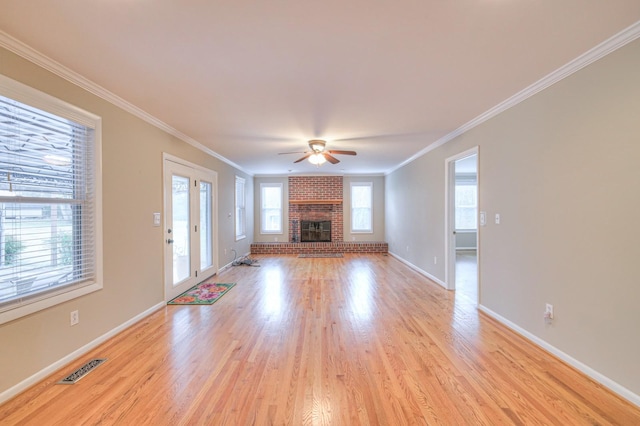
(467, 274)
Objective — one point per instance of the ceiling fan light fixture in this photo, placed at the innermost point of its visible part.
(317, 159)
(317, 145)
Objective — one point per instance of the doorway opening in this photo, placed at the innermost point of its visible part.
(462, 225)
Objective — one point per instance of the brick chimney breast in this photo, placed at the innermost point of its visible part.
(315, 190)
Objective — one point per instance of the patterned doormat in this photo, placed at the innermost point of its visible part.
(205, 293)
(321, 255)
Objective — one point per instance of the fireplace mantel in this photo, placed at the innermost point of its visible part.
(315, 201)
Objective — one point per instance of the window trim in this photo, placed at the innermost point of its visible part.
(243, 234)
(35, 98)
(360, 231)
(272, 185)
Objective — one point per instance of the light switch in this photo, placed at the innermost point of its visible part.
(156, 219)
(497, 218)
(483, 218)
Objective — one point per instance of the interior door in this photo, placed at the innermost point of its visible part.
(189, 227)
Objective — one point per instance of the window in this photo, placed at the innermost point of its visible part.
(50, 234)
(362, 207)
(271, 208)
(466, 203)
(241, 216)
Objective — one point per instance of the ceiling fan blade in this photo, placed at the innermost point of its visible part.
(330, 158)
(303, 158)
(293, 152)
(337, 151)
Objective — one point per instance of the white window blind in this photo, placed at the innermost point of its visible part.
(271, 211)
(47, 204)
(240, 209)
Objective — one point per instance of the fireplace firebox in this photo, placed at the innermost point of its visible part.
(314, 231)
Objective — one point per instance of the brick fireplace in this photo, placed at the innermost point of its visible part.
(318, 199)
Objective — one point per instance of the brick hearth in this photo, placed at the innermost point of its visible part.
(320, 248)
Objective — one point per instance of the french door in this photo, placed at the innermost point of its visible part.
(189, 193)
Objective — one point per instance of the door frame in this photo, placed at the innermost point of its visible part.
(198, 171)
(449, 218)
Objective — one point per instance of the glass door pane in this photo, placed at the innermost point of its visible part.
(180, 228)
(206, 246)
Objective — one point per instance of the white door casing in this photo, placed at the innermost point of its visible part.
(190, 251)
(450, 224)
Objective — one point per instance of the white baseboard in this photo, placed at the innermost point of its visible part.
(230, 264)
(595, 375)
(224, 268)
(420, 271)
(47, 371)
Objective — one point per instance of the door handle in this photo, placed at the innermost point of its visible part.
(169, 241)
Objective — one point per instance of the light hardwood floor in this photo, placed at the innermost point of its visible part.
(357, 340)
(467, 274)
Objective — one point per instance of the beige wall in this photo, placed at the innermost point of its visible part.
(133, 248)
(378, 208)
(264, 238)
(562, 170)
(465, 240)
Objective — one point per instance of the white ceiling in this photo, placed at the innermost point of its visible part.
(250, 79)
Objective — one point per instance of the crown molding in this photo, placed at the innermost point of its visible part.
(612, 44)
(32, 55)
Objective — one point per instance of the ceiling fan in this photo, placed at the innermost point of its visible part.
(318, 154)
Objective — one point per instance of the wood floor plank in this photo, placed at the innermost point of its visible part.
(359, 340)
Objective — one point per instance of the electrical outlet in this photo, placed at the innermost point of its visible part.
(435, 260)
(74, 317)
(548, 312)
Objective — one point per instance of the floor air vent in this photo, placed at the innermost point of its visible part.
(81, 372)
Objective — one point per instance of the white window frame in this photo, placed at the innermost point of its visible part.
(240, 209)
(262, 209)
(353, 229)
(37, 301)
